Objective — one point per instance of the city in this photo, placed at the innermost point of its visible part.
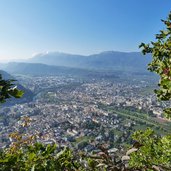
(82, 113)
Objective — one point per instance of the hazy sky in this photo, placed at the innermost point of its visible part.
(28, 27)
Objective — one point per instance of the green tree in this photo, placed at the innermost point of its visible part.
(153, 152)
(8, 89)
(161, 61)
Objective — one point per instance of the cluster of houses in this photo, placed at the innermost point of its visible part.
(75, 116)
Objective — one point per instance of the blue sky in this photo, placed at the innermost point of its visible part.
(28, 27)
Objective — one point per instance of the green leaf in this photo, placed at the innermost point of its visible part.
(16, 93)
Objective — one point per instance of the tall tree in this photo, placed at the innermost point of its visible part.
(161, 61)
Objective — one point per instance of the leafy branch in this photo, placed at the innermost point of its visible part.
(8, 89)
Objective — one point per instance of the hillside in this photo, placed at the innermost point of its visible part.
(106, 60)
(37, 69)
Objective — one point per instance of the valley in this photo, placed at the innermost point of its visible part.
(83, 112)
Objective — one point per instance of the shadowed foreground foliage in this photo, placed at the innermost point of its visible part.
(150, 152)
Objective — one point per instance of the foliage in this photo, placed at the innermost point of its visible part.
(40, 157)
(161, 61)
(8, 90)
(153, 151)
(26, 153)
(37, 157)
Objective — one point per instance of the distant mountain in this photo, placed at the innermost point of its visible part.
(109, 60)
(28, 95)
(37, 69)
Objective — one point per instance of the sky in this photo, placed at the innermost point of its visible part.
(28, 27)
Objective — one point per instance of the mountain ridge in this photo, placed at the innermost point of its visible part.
(105, 60)
(39, 69)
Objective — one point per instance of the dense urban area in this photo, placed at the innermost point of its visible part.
(82, 113)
